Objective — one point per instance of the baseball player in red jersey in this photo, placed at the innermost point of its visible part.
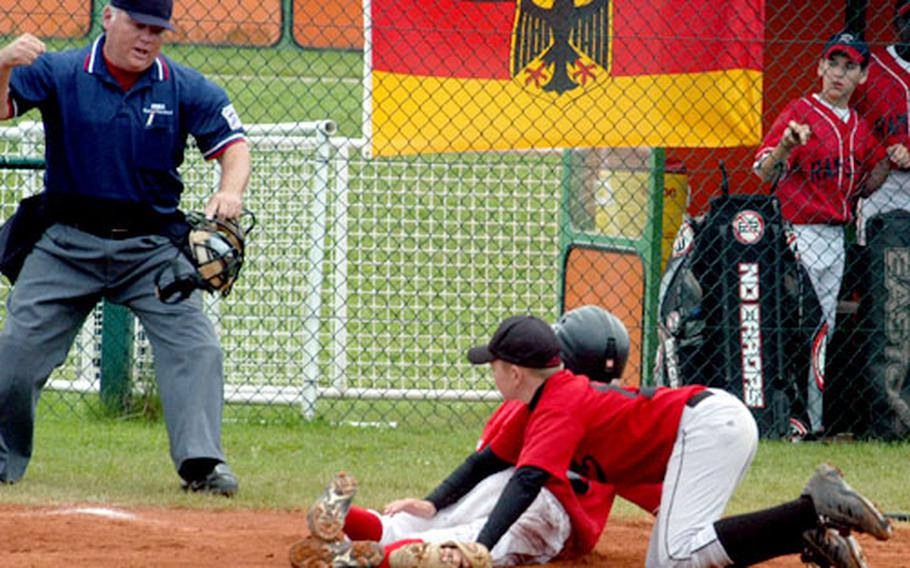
(593, 342)
(697, 442)
(829, 158)
(884, 101)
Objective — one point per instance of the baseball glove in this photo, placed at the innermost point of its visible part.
(313, 552)
(433, 555)
(215, 248)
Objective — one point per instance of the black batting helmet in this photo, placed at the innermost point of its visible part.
(593, 343)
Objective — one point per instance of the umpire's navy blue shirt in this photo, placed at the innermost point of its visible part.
(105, 143)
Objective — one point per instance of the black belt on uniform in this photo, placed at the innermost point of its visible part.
(698, 397)
(105, 218)
(108, 232)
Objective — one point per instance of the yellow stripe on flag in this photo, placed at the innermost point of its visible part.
(416, 114)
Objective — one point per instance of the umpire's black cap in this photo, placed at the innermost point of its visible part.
(521, 340)
(148, 12)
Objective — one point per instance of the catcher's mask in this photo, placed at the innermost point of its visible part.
(593, 343)
(215, 249)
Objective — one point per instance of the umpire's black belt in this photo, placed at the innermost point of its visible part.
(111, 231)
(698, 397)
(105, 218)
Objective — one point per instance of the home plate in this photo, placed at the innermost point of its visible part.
(98, 512)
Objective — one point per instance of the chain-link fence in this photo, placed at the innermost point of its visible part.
(423, 169)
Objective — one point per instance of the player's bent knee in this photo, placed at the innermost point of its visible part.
(709, 556)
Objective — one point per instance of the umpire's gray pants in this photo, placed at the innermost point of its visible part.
(62, 279)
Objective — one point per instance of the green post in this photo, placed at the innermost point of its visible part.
(21, 163)
(653, 241)
(117, 334)
(287, 24)
(566, 231)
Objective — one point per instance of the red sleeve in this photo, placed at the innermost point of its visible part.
(877, 153)
(221, 150)
(490, 428)
(506, 442)
(870, 98)
(774, 136)
(873, 150)
(551, 437)
(645, 495)
(505, 412)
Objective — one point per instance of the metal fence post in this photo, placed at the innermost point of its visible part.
(653, 262)
(117, 338)
(316, 273)
(21, 163)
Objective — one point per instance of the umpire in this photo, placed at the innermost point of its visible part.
(116, 117)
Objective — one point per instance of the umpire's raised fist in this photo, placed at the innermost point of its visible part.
(23, 50)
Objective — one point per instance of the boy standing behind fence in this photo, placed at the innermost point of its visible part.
(828, 157)
(884, 101)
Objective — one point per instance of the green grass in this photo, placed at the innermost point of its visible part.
(83, 459)
(104, 460)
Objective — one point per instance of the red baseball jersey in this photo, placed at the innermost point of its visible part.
(611, 435)
(588, 513)
(884, 99)
(824, 174)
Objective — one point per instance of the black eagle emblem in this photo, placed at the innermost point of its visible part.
(559, 36)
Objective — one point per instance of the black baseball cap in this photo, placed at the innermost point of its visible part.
(148, 12)
(521, 340)
(851, 45)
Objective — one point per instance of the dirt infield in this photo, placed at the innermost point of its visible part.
(104, 536)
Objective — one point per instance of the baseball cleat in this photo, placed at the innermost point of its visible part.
(312, 552)
(326, 517)
(839, 505)
(828, 548)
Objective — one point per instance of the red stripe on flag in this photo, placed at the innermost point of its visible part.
(472, 39)
(443, 38)
(663, 37)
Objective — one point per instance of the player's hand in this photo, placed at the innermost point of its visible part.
(224, 205)
(23, 50)
(899, 156)
(417, 507)
(795, 134)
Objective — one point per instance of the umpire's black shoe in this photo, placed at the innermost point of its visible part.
(220, 481)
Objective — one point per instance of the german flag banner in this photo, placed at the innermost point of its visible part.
(471, 75)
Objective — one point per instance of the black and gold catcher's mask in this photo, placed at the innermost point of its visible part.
(215, 248)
